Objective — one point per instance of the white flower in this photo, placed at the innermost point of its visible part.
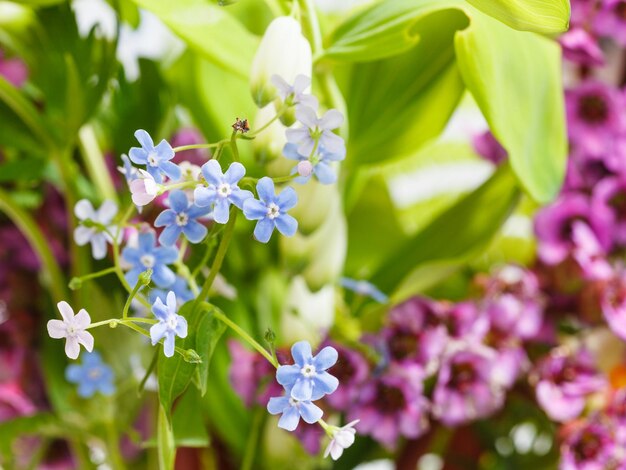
(144, 189)
(95, 235)
(72, 328)
(342, 438)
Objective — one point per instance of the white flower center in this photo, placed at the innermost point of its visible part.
(273, 211)
(147, 261)
(172, 322)
(293, 402)
(71, 330)
(153, 160)
(308, 370)
(182, 219)
(224, 190)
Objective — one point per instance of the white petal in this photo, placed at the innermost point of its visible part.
(83, 234)
(86, 339)
(82, 319)
(72, 348)
(107, 211)
(66, 311)
(84, 210)
(57, 329)
(98, 246)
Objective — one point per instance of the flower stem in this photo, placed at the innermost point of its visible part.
(182, 148)
(95, 275)
(256, 132)
(151, 367)
(140, 330)
(130, 298)
(122, 321)
(253, 440)
(233, 146)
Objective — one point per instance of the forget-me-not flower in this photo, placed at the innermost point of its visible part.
(147, 255)
(294, 95)
(222, 189)
(292, 410)
(143, 189)
(319, 163)
(72, 328)
(271, 210)
(364, 288)
(157, 159)
(128, 170)
(170, 324)
(316, 131)
(180, 289)
(95, 235)
(342, 438)
(307, 378)
(91, 376)
(181, 218)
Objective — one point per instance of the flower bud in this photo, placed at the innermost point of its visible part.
(283, 51)
(145, 277)
(75, 283)
(192, 356)
(305, 168)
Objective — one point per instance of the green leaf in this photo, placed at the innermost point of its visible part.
(210, 30)
(40, 424)
(26, 169)
(209, 330)
(541, 16)
(165, 440)
(457, 235)
(188, 423)
(515, 78)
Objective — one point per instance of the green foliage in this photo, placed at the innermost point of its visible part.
(541, 16)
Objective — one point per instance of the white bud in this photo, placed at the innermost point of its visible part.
(305, 168)
(283, 51)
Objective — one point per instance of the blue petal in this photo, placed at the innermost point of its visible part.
(172, 170)
(160, 310)
(277, 405)
(286, 225)
(163, 276)
(132, 276)
(138, 156)
(303, 389)
(165, 254)
(157, 331)
(325, 359)
(239, 196)
(146, 242)
(74, 373)
(254, 209)
(265, 189)
(106, 388)
(378, 296)
(301, 353)
(324, 173)
(290, 151)
(235, 172)
(287, 375)
(167, 217)
(263, 230)
(204, 196)
(169, 235)
(178, 201)
(194, 231)
(144, 139)
(169, 344)
(86, 389)
(332, 142)
(196, 211)
(290, 419)
(164, 150)
(92, 359)
(155, 171)
(181, 327)
(287, 199)
(325, 382)
(310, 413)
(212, 172)
(221, 210)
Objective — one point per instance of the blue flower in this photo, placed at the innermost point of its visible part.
(222, 190)
(307, 378)
(316, 130)
(180, 289)
(320, 163)
(271, 210)
(170, 324)
(364, 288)
(148, 255)
(292, 410)
(92, 376)
(157, 159)
(181, 218)
(129, 171)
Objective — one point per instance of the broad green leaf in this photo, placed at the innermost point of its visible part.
(165, 440)
(26, 169)
(188, 421)
(541, 16)
(38, 3)
(210, 30)
(208, 332)
(458, 234)
(515, 77)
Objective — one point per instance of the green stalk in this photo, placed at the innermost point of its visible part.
(94, 161)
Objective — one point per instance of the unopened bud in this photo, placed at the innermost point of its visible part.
(145, 277)
(270, 336)
(305, 168)
(192, 357)
(76, 283)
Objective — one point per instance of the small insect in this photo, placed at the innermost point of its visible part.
(241, 125)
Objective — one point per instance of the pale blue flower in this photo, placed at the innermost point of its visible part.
(181, 218)
(180, 289)
(292, 410)
(95, 235)
(148, 255)
(128, 170)
(222, 189)
(91, 376)
(157, 159)
(307, 379)
(364, 288)
(271, 210)
(320, 163)
(293, 95)
(318, 130)
(170, 324)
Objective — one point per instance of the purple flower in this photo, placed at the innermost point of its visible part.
(594, 115)
(392, 405)
(251, 375)
(310, 436)
(317, 132)
(581, 47)
(319, 163)
(91, 376)
(271, 210)
(170, 324)
(148, 255)
(608, 207)
(351, 370)
(362, 287)
(13, 70)
(613, 303)
(467, 386)
(222, 189)
(488, 147)
(307, 379)
(14, 402)
(588, 253)
(611, 20)
(563, 382)
(292, 410)
(157, 159)
(181, 218)
(588, 446)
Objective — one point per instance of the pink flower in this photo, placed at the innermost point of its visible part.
(13, 70)
(143, 189)
(581, 47)
(611, 20)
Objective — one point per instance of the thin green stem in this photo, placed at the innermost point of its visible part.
(123, 321)
(183, 185)
(274, 7)
(139, 330)
(95, 162)
(97, 274)
(182, 148)
(253, 440)
(130, 298)
(210, 245)
(233, 146)
(246, 337)
(313, 26)
(153, 362)
(256, 132)
(284, 179)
